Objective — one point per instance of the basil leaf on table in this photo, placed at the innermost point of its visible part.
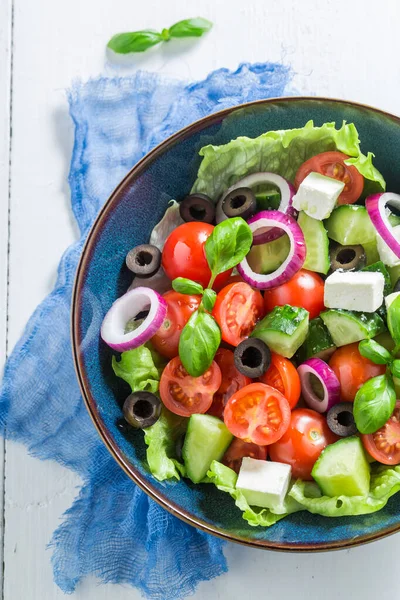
(209, 298)
(374, 403)
(135, 41)
(393, 320)
(228, 244)
(190, 28)
(186, 286)
(199, 341)
(373, 351)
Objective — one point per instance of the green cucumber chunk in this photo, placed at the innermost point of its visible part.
(267, 258)
(342, 469)
(379, 267)
(284, 329)
(371, 252)
(394, 273)
(348, 326)
(270, 199)
(206, 440)
(349, 225)
(317, 244)
(318, 342)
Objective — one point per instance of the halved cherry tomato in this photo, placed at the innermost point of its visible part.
(232, 381)
(332, 165)
(352, 370)
(237, 309)
(179, 309)
(238, 450)
(185, 395)
(283, 376)
(307, 435)
(304, 289)
(184, 256)
(384, 444)
(257, 413)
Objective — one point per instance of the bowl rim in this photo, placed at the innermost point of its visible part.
(88, 398)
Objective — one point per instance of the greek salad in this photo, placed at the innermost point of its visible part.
(261, 333)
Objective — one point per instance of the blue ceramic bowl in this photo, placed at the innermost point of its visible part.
(126, 220)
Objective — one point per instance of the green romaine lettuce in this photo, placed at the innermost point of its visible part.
(281, 152)
(141, 368)
(161, 439)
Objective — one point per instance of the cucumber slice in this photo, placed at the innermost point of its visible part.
(350, 224)
(268, 199)
(206, 440)
(343, 469)
(348, 326)
(318, 342)
(317, 244)
(266, 258)
(371, 252)
(379, 267)
(284, 329)
(394, 273)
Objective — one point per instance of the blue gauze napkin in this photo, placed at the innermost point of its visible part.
(113, 530)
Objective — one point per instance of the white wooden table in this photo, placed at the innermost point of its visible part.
(346, 50)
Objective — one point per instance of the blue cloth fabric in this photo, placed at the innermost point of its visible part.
(113, 530)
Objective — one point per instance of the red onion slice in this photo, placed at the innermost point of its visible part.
(294, 260)
(328, 380)
(376, 207)
(126, 308)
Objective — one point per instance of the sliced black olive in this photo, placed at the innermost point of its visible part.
(340, 419)
(240, 203)
(144, 260)
(197, 207)
(347, 258)
(397, 286)
(252, 357)
(142, 409)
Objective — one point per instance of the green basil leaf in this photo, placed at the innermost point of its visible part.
(395, 368)
(190, 28)
(199, 341)
(209, 298)
(228, 244)
(393, 319)
(374, 404)
(186, 286)
(136, 41)
(375, 352)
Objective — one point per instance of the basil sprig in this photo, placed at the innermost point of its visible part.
(374, 404)
(187, 286)
(209, 298)
(199, 341)
(140, 41)
(375, 352)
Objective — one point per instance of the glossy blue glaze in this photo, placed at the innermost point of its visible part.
(127, 220)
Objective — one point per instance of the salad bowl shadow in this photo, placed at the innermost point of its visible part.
(126, 220)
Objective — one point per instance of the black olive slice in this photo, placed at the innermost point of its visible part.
(252, 357)
(340, 419)
(142, 409)
(347, 258)
(144, 260)
(197, 207)
(240, 203)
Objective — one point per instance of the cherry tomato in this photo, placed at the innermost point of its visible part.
(232, 381)
(304, 289)
(179, 309)
(257, 413)
(384, 444)
(185, 395)
(237, 309)
(352, 370)
(238, 450)
(307, 435)
(184, 256)
(332, 165)
(283, 376)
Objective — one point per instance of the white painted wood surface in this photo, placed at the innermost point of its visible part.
(335, 50)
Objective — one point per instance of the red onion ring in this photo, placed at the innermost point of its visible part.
(376, 207)
(329, 381)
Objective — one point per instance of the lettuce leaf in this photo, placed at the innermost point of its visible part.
(385, 481)
(281, 152)
(161, 440)
(225, 480)
(140, 367)
(170, 221)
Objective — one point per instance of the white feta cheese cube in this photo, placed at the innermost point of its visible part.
(387, 256)
(358, 290)
(317, 195)
(263, 483)
(389, 299)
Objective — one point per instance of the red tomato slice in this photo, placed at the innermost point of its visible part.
(185, 395)
(384, 444)
(232, 381)
(257, 413)
(304, 289)
(238, 450)
(180, 307)
(332, 165)
(283, 376)
(237, 309)
(302, 443)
